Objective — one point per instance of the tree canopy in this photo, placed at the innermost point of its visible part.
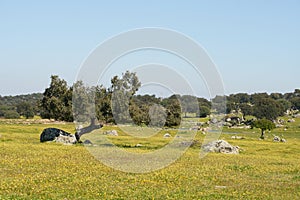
(57, 100)
(263, 124)
(119, 103)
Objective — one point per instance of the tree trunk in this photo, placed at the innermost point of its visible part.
(262, 134)
(88, 129)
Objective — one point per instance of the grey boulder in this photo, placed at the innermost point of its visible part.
(220, 146)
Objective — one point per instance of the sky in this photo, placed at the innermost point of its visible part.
(255, 44)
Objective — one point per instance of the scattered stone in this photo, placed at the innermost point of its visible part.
(276, 139)
(282, 140)
(167, 135)
(280, 121)
(214, 120)
(237, 137)
(290, 120)
(206, 129)
(138, 145)
(189, 143)
(111, 132)
(220, 146)
(87, 142)
(297, 115)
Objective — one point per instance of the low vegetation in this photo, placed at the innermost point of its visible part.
(263, 170)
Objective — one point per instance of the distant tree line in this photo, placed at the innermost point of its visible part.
(119, 103)
(261, 105)
(266, 108)
(20, 105)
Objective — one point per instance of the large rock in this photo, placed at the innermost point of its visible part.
(58, 135)
(220, 146)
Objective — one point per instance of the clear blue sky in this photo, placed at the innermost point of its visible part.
(255, 44)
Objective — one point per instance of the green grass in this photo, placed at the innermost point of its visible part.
(263, 169)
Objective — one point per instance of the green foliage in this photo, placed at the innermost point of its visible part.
(204, 102)
(295, 101)
(276, 96)
(173, 113)
(256, 97)
(122, 90)
(267, 108)
(263, 124)
(11, 114)
(103, 104)
(219, 104)
(189, 104)
(246, 109)
(31, 170)
(83, 102)
(239, 98)
(284, 104)
(204, 111)
(3, 110)
(25, 109)
(29, 102)
(128, 84)
(57, 101)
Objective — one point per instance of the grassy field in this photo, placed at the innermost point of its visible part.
(263, 169)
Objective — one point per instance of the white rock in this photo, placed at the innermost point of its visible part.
(167, 135)
(220, 146)
(111, 132)
(71, 139)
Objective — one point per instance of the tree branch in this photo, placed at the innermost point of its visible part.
(88, 129)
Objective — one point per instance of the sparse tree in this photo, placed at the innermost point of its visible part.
(263, 125)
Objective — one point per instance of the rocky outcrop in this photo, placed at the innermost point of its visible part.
(220, 146)
(58, 135)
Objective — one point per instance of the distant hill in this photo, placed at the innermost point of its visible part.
(14, 100)
(9, 104)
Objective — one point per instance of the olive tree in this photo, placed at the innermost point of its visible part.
(263, 125)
